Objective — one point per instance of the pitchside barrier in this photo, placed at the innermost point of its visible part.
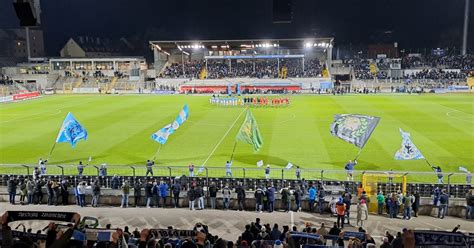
(371, 181)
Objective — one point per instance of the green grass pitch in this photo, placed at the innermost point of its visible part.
(119, 127)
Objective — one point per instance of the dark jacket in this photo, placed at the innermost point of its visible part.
(240, 193)
(191, 194)
(443, 199)
(259, 194)
(11, 186)
(470, 200)
(176, 188)
(137, 189)
(213, 191)
(96, 189)
(271, 194)
(149, 190)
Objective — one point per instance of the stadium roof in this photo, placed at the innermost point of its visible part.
(294, 43)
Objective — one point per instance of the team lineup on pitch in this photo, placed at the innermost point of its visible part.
(120, 127)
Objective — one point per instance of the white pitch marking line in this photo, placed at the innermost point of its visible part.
(222, 139)
(461, 119)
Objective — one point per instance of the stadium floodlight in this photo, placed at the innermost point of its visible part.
(214, 47)
(308, 44)
(275, 44)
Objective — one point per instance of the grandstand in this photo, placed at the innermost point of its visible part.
(290, 64)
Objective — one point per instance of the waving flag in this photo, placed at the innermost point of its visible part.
(71, 131)
(408, 150)
(354, 129)
(182, 116)
(249, 132)
(161, 136)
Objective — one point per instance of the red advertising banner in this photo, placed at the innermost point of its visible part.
(25, 96)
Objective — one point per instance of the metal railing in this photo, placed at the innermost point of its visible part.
(423, 182)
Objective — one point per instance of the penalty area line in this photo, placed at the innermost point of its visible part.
(223, 137)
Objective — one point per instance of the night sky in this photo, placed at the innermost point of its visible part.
(412, 23)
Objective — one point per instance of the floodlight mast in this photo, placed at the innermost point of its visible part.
(466, 23)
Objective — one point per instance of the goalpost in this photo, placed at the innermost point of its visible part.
(388, 182)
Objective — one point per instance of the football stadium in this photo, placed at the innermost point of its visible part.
(319, 139)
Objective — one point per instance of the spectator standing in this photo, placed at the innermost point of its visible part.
(321, 199)
(23, 192)
(11, 188)
(439, 174)
(312, 198)
(323, 232)
(247, 235)
(115, 182)
(81, 191)
(443, 204)
(468, 178)
(200, 197)
(103, 171)
(380, 202)
(285, 199)
(148, 193)
(30, 189)
(137, 192)
(176, 188)
(341, 212)
(298, 194)
(156, 193)
(191, 197)
(95, 194)
(239, 190)
(259, 194)
(56, 192)
(42, 166)
(408, 201)
(65, 192)
(347, 199)
(226, 195)
(416, 204)
(49, 187)
(271, 198)
(470, 204)
(362, 213)
(164, 192)
(213, 195)
(125, 193)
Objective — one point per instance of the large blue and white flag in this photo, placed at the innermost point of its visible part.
(71, 131)
(408, 150)
(161, 136)
(182, 117)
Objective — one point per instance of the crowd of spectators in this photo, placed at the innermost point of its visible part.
(5, 80)
(435, 74)
(262, 68)
(464, 63)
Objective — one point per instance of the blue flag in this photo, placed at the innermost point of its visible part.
(71, 131)
(408, 150)
(182, 117)
(161, 136)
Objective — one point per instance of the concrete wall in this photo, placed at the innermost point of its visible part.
(110, 197)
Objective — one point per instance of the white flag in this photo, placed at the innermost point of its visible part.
(260, 163)
(463, 169)
(289, 166)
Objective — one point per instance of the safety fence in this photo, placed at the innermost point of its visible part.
(388, 181)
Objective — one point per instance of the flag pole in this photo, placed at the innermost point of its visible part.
(358, 154)
(157, 151)
(51, 151)
(233, 150)
(429, 164)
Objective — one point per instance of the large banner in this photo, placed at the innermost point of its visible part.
(40, 215)
(353, 128)
(438, 238)
(25, 96)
